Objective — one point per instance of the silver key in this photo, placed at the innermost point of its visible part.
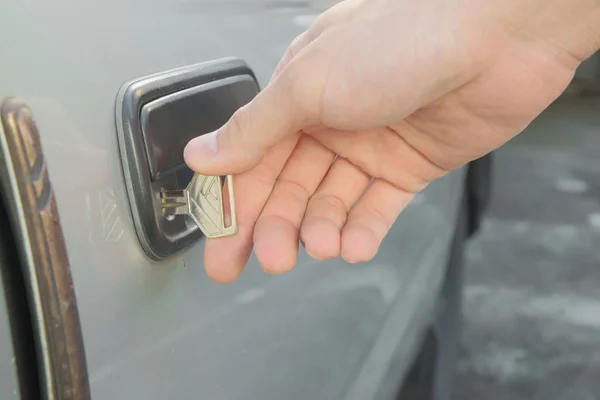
(202, 200)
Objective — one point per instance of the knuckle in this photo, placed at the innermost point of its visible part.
(384, 221)
(300, 86)
(375, 220)
(264, 175)
(237, 123)
(239, 130)
(294, 190)
(325, 19)
(329, 207)
(335, 202)
(376, 163)
(296, 44)
(403, 166)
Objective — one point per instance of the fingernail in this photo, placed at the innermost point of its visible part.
(201, 149)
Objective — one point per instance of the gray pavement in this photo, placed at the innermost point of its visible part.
(532, 298)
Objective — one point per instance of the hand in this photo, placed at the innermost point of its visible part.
(395, 90)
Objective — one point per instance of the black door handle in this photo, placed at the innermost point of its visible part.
(156, 116)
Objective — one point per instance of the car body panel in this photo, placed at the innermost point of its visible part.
(155, 330)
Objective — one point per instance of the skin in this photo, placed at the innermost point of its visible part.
(397, 91)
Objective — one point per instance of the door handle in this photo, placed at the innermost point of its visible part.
(156, 116)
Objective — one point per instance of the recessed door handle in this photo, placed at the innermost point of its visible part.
(156, 117)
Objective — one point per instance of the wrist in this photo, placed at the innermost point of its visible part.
(567, 29)
(583, 38)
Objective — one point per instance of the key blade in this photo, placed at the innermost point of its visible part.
(206, 205)
(173, 202)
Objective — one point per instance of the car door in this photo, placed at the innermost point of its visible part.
(159, 328)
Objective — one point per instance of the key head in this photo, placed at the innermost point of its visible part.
(205, 204)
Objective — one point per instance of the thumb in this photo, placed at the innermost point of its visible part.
(243, 141)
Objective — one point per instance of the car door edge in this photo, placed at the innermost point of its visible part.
(35, 223)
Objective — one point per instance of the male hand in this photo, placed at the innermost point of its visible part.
(400, 91)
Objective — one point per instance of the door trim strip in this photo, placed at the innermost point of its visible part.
(35, 222)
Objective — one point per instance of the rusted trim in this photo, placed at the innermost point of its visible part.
(36, 224)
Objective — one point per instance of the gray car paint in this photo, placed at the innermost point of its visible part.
(158, 330)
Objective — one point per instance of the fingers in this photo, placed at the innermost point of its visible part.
(276, 234)
(225, 258)
(328, 209)
(288, 104)
(384, 153)
(370, 220)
